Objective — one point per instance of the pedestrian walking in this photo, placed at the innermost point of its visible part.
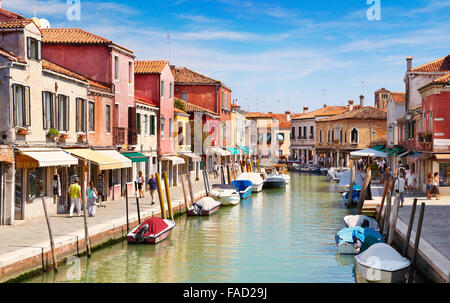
(140, 182)
(411, 181)
(400, 186)
(435, 186)
(75, 197)
(216, 170)
(429, 182)
(92, 195)
(152, 186)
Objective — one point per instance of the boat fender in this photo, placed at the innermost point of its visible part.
(141, 232)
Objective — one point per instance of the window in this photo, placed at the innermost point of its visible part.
(108, 118)
(280, 152)
(138, 123)
(48, 110)
(162, 89)
(300, 132)
(281, 137)
(91, 116)
(180, 133)
(332, 135)
(269, 138)
(341, 139)
(163, 122)
(152, 125)
(188, 133)
(130, 72)
(320, 136)
(116, 67)
(145, 124)
(311, 132)
(170, 128)
(36, 183)
(184, 96)
(293, 133)
(170, 90)
(354, 136)
(345, 136)
(34, 49)
(328, 136)
(63, 113)
(304, 132)
(21, 105)
(81, 115)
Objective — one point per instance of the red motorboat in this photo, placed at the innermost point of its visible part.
(151, 231)
(204, 207)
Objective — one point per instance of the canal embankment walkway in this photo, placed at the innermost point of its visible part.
(433, 258)
(25, 246)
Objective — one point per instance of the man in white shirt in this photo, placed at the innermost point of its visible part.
(411, 181)
(399, 187)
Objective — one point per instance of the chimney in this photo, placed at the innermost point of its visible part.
(324, 105)
(288, 115)
(361, 101)
(350, 104)
(409, 63)
(305, 109)
(270, 113)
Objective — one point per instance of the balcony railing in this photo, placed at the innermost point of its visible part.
(119, 135)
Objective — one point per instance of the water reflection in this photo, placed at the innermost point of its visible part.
(278, 235)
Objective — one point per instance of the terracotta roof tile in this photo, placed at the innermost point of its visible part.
(98, 85)
(6, 14)
(444, 79)
(11, 56)
(439, 65)
(365, 113)
(321, 112)
(15, 23)
(285, 124)
(149, 67)
(235, 105)
(179, 111)
(398, 97)
(74, 36)
(184, 75)
(47, 65)
(145, 101)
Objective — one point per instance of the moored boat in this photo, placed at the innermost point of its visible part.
(354, 240)
(226, 194)
(204, 207)
(151, 231)
(255, 178)
(362, 221)
(243, 187)
(382, 263)
(274, 179)
(355, 195)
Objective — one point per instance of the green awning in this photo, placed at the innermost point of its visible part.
(136, 157)
(378, 147)
(387, 149)
(245, 149)
(394, 151)
(233, 150)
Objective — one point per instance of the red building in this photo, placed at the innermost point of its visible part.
(208, 93)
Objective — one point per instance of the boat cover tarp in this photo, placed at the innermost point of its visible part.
(207, 203)
(367, 236)
(383, 257)
(155, 226)
(255, 178)
(345, 179)
(355, 193)
(242, 185)
(357, 220)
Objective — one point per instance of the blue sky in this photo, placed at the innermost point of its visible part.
(285, 54)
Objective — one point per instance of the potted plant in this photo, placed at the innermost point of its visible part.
(52, 133)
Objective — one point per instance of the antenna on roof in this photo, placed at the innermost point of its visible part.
(170, 51)
(35, 9)
(324, 95)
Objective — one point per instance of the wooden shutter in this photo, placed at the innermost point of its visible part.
(27, 106)
(66, 113)
(132, 131)
(77, 114)
(13, 94)
(53, 105)
(29, 47)
(44, 111)
(39, 50)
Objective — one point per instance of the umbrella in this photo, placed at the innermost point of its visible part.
(368, 153)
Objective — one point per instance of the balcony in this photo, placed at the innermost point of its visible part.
(119, 135)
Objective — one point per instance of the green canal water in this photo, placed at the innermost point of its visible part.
(278, 235)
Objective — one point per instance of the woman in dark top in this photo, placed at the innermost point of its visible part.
(152, 186)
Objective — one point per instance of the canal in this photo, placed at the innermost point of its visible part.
(278, 235)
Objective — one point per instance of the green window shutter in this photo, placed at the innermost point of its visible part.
(152, 125)
(44, 111)
(138, 123)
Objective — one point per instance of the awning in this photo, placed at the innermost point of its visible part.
(378, 147)
(6, 155)
(442, 157)
(233, 150)
(368, 153)
(43, 157)
(175, 160)
(417, 156)
(104, 162)
(394, 151)
(387, 149)
(218, 151)
(403, 153)
(245, 149)
(193, 156)
(118, 156)
(136, 157)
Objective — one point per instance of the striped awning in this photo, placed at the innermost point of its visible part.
(394, 151)
(43, 157)
(403, 153)
(136, 157)
(103, 161)
(175, 160)
(233, 150)
(217, 150)
(118, 156)
(378, 147)
(244, 148)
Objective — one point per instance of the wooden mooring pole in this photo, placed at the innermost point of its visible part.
(126, 208)
(352, 181)
(410, 225)
(191, 192)
(137, 201)
(222, 174)
(385, 227)
(161, 197)
(169, 200)
(50, 233)
(229, 174)
(386, 187)
(186, 201)
(205, 183)
(416, 243)
(393, 219)
(362, 197)
(86, 231)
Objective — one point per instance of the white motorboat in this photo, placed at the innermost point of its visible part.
(382, 263)
(286, 178)
(335, 173)
(255, 178)
(358, 220)
(226, 194)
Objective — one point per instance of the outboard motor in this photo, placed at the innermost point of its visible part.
(197, 208)
(140, 234)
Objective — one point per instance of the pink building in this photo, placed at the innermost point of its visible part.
(102, 61)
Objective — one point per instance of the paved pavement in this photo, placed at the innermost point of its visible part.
(435, 240)
(27, 238)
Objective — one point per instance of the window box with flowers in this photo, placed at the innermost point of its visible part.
(63, 136)
(52, 134)
(22, 131)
